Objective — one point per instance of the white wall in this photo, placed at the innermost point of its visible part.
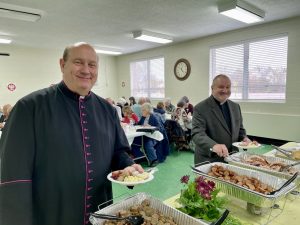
(271, 120)
(31, 69)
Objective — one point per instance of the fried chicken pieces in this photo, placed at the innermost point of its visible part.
(248, 182)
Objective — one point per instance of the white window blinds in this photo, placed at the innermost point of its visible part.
(148, 78)
(257, 69)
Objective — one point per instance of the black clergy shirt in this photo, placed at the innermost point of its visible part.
(56, 151)
(225, 111)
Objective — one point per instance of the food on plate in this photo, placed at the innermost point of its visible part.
(296, 154)
(129, 176)
(259, 161)
(150, 215)
(242, 180)
(249, 144)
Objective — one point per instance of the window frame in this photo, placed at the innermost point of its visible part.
(148, 76)
(246, 51)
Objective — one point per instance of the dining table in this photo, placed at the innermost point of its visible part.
(132, 131)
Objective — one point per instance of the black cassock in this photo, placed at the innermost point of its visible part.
(56, 151)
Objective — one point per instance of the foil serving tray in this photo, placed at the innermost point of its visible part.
(179, 217)
(256, 198)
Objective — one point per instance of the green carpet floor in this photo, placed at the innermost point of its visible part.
(166, 182)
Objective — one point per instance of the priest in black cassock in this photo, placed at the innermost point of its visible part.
(58, 146)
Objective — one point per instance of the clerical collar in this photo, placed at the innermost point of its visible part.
(219, 103)
(63, 87)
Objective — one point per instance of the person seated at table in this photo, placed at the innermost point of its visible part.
(129, 116)
(132, 101)
(188, 107)
(6, 111)
(160, 110)
(182, 117)
(121, 102)
(137, 107)
(148, 119)
(119, 111)
(168, 106)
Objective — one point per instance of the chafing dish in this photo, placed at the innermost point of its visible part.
(253, 197)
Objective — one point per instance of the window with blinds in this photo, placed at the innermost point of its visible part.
(148, 78)
(257, 68)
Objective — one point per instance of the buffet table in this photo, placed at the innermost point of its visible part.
(286, 213)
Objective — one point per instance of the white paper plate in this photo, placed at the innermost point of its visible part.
(109, 177)
(238, 145)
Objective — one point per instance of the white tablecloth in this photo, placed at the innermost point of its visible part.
(131, 133)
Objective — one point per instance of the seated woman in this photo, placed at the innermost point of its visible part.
(160, 109)
(182, 117)
(132, 101)
(6, 111)
(189, 108)
(129, 116)
(148, 119)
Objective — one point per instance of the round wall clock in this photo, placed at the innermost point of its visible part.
(182, 69)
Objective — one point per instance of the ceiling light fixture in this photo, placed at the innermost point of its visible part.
(107, 52)
(19, 12)
(241, 11)
(4, 41)
(152, 37)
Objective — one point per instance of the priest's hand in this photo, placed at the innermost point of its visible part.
(220, 149)
(247, 140)
(133, 168)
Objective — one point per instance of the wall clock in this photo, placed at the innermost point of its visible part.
(182, 69)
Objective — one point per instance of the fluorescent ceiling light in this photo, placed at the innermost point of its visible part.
(152, 37)
(107, 52)
(241, 11)
(4, 41)
(19, 12)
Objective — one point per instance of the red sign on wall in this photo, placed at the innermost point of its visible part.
(11, 87)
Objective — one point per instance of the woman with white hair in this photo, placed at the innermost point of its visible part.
(189, 108)
(148, 119)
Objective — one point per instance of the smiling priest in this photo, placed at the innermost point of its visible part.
(58, 146)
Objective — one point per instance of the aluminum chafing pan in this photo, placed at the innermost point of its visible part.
(239, 158)
(246, 194)
(179, 217)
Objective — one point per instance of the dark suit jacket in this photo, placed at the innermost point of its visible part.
(210, 128)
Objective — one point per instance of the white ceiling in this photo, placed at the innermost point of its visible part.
(109, 23)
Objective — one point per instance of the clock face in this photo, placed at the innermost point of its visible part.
(182, 69)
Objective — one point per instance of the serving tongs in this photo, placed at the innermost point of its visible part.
(233, 157)
(221, 219)
(285, 184)
(133, 220)
(281, 150)
(287, 167)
